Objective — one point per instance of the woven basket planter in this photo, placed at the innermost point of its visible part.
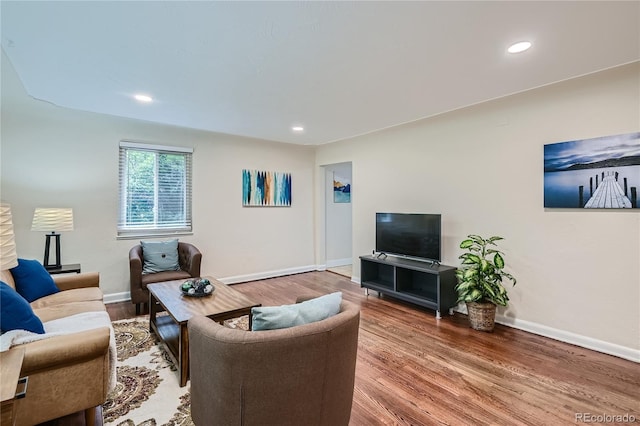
(482, 316)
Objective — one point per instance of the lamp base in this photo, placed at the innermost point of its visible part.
(47, 245)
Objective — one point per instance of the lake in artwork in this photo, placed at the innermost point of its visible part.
(593, 173)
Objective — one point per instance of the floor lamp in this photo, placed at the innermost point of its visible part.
(8, 256)
(52, 219)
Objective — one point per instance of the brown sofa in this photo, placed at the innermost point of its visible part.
(303, 375)
(70, 372)
(189, 259)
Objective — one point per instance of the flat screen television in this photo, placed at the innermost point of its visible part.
(414, 235)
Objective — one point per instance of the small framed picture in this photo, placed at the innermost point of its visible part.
(341, 189)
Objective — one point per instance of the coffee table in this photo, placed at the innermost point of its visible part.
(223, 304)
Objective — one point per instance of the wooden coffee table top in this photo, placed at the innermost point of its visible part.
(224, 301)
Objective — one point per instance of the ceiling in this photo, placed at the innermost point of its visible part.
(339, 69)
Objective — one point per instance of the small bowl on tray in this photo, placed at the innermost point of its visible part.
(197, 287)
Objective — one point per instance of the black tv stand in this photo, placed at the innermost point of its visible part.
(427, 284)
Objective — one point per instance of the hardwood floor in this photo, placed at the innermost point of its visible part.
(415, 370)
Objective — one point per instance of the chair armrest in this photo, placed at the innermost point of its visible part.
(190, 258)
(135, 266)
(68, 349)
(71, 281)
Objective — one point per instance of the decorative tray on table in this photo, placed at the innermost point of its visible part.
(197, 287)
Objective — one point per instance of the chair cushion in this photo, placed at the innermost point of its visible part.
(32, 280)
(276, 317)
(159, 277)
(16, 313)
(159, 256)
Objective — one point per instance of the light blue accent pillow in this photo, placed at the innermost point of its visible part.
(159, 256)
(16, 313)
(275, 317)
(32, 280)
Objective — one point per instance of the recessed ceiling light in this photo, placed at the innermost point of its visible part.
(518, 47)
(143, 98)
(297, 129)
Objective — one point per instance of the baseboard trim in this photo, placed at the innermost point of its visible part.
(125, 296)
(339, 262)
(565, 336)
(269, 274)
(572, 338)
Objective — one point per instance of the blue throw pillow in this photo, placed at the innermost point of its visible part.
(16, 313)
(275, 317)
(32, 280)
(159, 256)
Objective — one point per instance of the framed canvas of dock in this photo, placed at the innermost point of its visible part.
(597, 173)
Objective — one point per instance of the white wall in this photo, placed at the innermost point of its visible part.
(482, 168)
(338, 219)
(52, 156)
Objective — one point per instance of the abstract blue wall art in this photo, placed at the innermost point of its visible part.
(598, 173)
(341, 189)
(266, 189)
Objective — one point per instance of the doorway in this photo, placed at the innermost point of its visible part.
(338, 213)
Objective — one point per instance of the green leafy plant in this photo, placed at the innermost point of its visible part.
(480, 277)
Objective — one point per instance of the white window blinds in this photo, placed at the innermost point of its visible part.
(155, 190)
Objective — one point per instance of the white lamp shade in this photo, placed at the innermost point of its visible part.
(8, 255)
(52, 219)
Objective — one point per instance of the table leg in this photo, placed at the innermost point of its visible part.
(152, 312)
(183, 354)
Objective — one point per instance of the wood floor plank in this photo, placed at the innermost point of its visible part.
(413, 369)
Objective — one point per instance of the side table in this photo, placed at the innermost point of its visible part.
(10, 366)
(65, 269)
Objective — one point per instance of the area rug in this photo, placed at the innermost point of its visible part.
(148, 391)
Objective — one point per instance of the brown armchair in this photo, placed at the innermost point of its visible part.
(189, 258)
(303, 375)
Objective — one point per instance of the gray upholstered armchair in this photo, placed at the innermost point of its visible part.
(189, 258)
(303, 375)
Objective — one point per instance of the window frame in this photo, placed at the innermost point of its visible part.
(131, 231)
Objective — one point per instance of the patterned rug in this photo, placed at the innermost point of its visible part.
(148, 391)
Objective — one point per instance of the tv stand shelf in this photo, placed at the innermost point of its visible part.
(422, 283)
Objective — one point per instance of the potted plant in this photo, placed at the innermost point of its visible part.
(480, 280)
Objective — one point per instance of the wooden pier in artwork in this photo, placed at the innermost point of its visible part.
(609, 194)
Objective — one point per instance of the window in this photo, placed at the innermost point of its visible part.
(155, 190)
